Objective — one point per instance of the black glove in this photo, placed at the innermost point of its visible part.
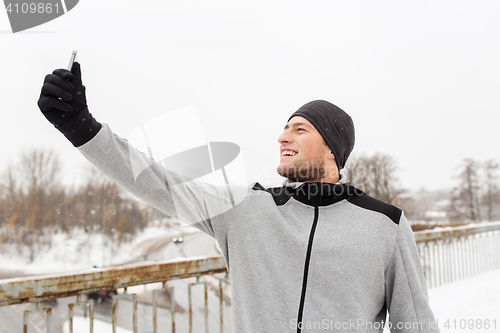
(63, 102)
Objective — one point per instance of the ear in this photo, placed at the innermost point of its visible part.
(331, 156)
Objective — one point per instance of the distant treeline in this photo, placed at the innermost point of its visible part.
(35, 204)
(475, 197)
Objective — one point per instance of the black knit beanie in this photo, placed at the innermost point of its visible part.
(334, 125)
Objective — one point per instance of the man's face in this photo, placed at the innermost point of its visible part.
(303, 152)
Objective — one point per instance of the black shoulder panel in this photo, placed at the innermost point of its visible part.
(280, 194)
(367, 202)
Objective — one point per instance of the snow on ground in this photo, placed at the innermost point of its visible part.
(468, 305)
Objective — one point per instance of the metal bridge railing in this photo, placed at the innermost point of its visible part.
(44, 288)
(450, 254)
(447, 254)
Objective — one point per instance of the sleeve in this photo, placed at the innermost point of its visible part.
(193, 203)
(406, 291)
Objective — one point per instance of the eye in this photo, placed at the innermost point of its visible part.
(300, 129)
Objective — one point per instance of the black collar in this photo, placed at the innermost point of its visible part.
(312, 193)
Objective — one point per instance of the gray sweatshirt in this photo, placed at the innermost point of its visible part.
(318, 257)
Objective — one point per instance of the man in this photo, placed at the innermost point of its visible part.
(317, 255)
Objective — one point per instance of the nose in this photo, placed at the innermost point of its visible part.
(284, 137)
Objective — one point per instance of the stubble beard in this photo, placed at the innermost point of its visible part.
(304, 171)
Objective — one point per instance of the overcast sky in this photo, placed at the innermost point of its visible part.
(420, 79)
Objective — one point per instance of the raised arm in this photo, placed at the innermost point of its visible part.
(63, 103)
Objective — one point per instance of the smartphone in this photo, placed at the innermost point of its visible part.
(72, 60)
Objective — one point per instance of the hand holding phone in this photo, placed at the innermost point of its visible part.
(63, 90)
(63, 102)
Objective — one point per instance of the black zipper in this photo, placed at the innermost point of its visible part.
(306, 269)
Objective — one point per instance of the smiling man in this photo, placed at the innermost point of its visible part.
(315, 254)
(304, 154)
(314, 135)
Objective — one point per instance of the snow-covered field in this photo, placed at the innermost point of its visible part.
(81, 251)
(469, 305)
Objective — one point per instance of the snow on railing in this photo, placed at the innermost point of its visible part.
(449, 254)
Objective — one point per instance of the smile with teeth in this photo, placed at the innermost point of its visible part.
(288, 153)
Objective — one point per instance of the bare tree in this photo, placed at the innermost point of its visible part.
(464, 199)
(491, 197)
(41, 170)
(108, 209)
(376, 175)
(9, 195)
(29, 190)
(41, 174)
